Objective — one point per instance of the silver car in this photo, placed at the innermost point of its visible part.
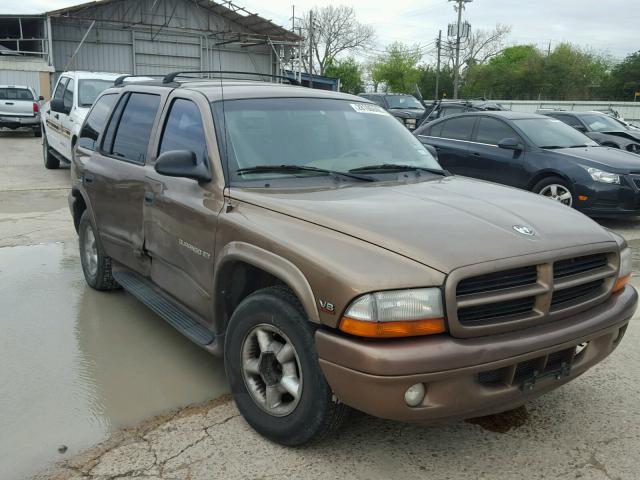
(20, 107)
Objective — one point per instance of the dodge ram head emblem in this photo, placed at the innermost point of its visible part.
(528, 231)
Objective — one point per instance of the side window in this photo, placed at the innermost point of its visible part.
(183, 129)
(569, 120)
(96, 120)
(60, 88)
(377, 100)
(458, 128)
(133, 128)
(67, 99)
(436, 130)
(446, 111)
(492, 131)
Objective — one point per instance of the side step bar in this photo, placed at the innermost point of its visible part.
(173, 314)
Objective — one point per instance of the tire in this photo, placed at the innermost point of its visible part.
(50, 161)
(96, 266)
(556, 188)
(277, 313)
(37, 132)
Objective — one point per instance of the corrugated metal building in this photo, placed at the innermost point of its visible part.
(147, 37)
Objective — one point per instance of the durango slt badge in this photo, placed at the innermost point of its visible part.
(528, 231)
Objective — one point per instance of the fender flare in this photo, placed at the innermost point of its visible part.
(277, 266)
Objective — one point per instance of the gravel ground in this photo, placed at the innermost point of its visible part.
(588, 429)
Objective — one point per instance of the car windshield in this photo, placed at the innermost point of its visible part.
(599, 122)
(403, 101)
(90, 89)
(336, 136)
(552, 133)
(13, 93)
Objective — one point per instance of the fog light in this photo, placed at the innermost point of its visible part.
(414, 395)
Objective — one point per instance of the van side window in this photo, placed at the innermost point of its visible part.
(133, 128)
(57, 95)
(184, 130)
(96, 120)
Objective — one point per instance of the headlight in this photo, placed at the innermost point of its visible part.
(626, 267)
(397, 313)
(633, 148)
(603, 177)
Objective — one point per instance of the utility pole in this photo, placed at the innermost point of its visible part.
(459, 32)
(439, 45)
(311, 48)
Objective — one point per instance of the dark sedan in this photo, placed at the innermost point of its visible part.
(600, 127)
(540, 154)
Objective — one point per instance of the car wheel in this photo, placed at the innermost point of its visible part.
(273, 370)
(96, 266)
(50, 161)
(37, 132)
(555, 188)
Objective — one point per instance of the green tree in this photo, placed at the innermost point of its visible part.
(624, 79)
(397, 68)
(348, 71)
(572, 73)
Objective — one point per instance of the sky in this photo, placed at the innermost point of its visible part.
(607, 26)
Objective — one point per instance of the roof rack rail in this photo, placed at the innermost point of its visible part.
(120, 80)
(170, 78)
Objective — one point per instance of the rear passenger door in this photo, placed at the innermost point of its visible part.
(114, 177)
(181, 214)
(493, 163)
(451, 139)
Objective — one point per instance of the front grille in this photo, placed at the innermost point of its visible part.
(636, 182)
(575, 293)
(494, 311)
(495, 301)
(574, 266)
(516, 277)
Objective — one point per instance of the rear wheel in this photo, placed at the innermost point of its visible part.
(273, 370)
(96, 266)
(555, 188)
(50, 161)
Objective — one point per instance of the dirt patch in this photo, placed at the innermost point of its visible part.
(502, 422)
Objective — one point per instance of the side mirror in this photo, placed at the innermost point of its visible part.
(432, 150)
(182, 163)
(57, 105)
(510, 144)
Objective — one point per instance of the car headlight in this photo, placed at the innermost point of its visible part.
(626, 267)
(603, 177)
(396, 313)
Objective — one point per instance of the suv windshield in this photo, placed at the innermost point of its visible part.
(12, 93)
(332, 135)
(552, 133)
(598, 122)
(403, 101)
(90, 89)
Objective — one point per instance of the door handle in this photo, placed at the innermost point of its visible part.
(56, 116)
(8, 103)
(476, 154)
(88, 179)
(149, 197)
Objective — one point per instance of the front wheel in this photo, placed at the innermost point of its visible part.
(556, 189)
(272, 367)
(96, 266)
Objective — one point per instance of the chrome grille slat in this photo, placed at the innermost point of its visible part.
(494, 298)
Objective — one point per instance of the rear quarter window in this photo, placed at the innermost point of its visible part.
(96, 120)
(459, 128)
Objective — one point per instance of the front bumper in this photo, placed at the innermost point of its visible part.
(17, 122)
(471, 377)
(611, 200)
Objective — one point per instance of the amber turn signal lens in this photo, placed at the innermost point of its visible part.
(621, 282)
(583, 198)
(411, 328)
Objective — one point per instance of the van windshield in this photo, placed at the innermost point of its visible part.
(328, 134)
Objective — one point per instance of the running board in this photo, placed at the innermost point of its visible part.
(168, 310)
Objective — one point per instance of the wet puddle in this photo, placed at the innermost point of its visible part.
(76, 364)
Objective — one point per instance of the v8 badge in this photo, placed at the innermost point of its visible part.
(327, 307)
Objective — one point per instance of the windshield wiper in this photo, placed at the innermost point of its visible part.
(301, 168)
(578, 146)
(552, 147)
(398, 167)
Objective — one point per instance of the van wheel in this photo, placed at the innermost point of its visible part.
(96, 266)
(273, 370)
(555, 188)
(50, 161)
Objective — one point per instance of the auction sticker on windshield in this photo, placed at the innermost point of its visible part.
(368, 108)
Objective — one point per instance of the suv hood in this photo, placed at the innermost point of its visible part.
(605, 158)
(406, 112)
(444, 224)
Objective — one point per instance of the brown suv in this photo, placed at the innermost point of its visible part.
(312, 241)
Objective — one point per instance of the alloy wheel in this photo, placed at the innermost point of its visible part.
(90, 251)
(558, 192)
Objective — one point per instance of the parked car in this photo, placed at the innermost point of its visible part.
(62, 117)
(20, 108)
(540, 154)
(602, 128)
(406, 108)
(444, 108)
(312, 241)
